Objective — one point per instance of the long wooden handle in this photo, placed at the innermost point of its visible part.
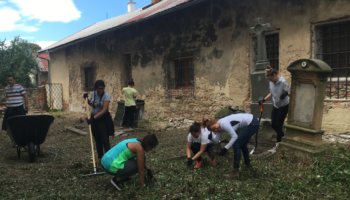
(92, 144)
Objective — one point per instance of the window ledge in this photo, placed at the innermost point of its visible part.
(341, 79)
(337, 100)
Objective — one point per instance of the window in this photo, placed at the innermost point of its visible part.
(333, 47)
(126, 69)
(89, 78)
(272, 50)
(180, 76)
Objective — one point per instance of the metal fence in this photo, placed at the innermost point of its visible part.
(54, 96)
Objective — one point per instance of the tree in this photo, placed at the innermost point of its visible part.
(34, 47)
(17, 59)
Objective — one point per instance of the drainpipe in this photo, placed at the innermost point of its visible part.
(48, 73)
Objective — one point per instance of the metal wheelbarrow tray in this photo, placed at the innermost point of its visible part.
(29, 132)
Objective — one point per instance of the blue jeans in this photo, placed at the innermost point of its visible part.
(242, 141)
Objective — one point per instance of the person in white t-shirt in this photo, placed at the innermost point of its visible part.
(249, 126)
(198, 143)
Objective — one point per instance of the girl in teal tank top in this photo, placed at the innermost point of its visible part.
(128, 158)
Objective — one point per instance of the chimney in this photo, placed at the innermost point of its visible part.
(131, 6)
(155, 1)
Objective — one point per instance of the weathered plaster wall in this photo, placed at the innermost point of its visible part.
(59, 73)
(215, 32)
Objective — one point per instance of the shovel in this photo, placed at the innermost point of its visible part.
(256, 135)
(92, 150)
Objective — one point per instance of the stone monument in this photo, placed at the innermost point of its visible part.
(303, 138)
(260, 84)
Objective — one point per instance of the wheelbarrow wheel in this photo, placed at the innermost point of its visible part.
(31, 152)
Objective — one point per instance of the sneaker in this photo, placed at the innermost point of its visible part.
(213, 162)
(117, 184)
(232, 174)
(273, 150)
(198, 164)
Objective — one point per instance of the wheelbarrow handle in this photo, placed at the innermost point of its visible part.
(262, 106)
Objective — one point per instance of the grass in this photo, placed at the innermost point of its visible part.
(56, 174)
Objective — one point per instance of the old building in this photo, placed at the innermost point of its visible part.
(190, 58)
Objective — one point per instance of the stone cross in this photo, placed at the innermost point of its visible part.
(260, 84)
(259, 30)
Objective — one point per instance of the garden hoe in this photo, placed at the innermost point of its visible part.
(256, 135)
(92, 148)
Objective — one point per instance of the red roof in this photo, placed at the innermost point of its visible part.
(44, 64)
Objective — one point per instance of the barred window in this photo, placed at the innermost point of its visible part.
(88, 75)
(333, 47)
(89, 78)
(272, 50)
(180, 77)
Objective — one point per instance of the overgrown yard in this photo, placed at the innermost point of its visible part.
(56, 173)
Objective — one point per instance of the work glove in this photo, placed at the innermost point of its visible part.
(149, 174)
(85, 96)
(223, 152)
(210, 136)
(189, 161)
(283, 95)
(88, 121)
(26, 110)
(262, 101)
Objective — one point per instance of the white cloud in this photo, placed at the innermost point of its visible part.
(12, 17)
(7, 43)
(27, 38)
(48, 10)
(44, 44)
(11, 23)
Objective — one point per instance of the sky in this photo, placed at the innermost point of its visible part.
(45, 22)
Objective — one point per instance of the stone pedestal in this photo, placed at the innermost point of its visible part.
(303, 138)
(139, 114)
(260, 84)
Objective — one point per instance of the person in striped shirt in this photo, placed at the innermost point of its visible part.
(14, 100)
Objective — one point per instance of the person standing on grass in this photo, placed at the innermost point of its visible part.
(101, 122)
(130, 105)
(198, 142)
(279, 90)
(249, 126)
(14, 100)
(120, 161)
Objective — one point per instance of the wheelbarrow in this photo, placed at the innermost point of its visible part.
(29, 132)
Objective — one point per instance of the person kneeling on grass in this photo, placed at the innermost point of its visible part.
(198, 142)
(121, 163)
(249, 126)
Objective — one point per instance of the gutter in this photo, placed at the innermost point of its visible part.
(176, 8)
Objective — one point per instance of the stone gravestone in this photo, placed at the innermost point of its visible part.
(303, 138)
(260, 84)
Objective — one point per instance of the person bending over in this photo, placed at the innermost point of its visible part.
(249, 126)
(128, 158)
(198, 142)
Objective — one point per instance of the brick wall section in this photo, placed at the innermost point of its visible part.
(36, 99)
(333, 89)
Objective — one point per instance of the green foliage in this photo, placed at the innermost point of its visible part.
(17, 60)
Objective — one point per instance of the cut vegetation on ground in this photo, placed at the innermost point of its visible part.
(56, 174)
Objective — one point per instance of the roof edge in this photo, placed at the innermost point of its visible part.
(170, 10)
